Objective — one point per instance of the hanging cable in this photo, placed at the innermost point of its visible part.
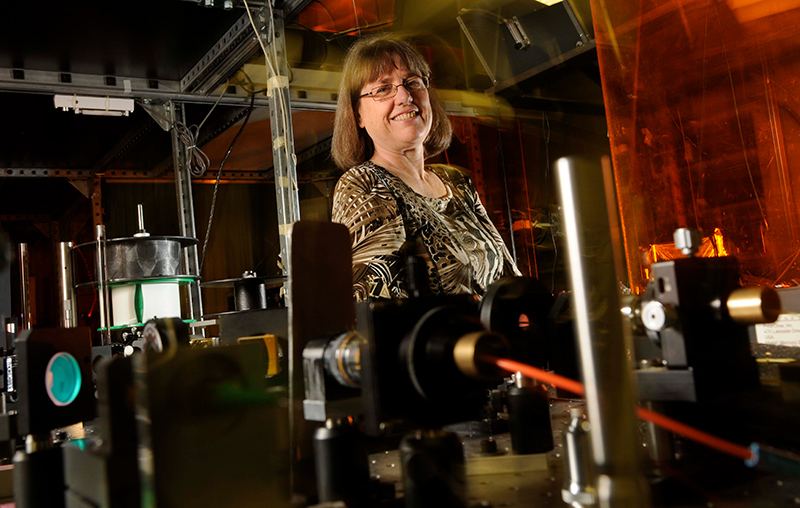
(719, 444)
(281, 102)
(219, 176)
(196, 159)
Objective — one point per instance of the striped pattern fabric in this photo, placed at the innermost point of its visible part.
(465, 251)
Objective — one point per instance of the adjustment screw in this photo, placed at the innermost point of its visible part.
(687, 241)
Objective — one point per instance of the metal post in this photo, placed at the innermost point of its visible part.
(97, 201)
(24, 284)
(288, 202)
(104, 298)
(140, 214)
(607, 373)
(283, 155)
(68, 311)
(183, 189)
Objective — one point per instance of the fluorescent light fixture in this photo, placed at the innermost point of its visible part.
(100, 106)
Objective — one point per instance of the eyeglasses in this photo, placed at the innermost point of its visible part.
(387, 91)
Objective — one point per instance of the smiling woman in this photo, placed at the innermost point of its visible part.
(388, 121)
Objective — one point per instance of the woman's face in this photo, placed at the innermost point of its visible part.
(400, 123)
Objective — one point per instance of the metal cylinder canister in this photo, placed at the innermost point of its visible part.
(39, 478)
(342, 465)
(529, 417)
(250, 294)
(578, 463)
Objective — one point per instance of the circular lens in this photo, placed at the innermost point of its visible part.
(62, 379)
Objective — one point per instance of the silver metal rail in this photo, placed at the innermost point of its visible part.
(183, 189)
(24, 285)
(67, 306)
(104, 297)
(284, 159)
(607, 373)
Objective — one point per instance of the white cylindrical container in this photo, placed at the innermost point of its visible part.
(136, 303)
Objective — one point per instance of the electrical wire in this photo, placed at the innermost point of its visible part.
(502, 164)
(337, 35)
(280, 98)
(546, 127)
(196, 159)
(355, 16)
(719, 444)
(327, 11)
(361, 29)
(282, 112)
(219, 176)
(89, 273)
(527, 200)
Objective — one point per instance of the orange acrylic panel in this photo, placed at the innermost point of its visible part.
(703, 106)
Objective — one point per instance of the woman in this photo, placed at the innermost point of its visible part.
(388, 121)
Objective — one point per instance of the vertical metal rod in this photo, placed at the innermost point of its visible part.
(659, 441)
(283, 156)
(607, 374)
(183, 190)
(102, 284)
(288, 204)
(140, 213)
(24, 284)
(68, 311)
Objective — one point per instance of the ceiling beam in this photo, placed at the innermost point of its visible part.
(292, 8)
(230, 52)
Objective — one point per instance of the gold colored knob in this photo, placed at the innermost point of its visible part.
(754, 305)
(472, 346)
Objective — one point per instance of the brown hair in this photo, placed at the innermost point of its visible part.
(366, 60)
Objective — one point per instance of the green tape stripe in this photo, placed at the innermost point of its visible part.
(138, 303)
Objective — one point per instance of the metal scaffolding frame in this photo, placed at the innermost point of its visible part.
(227, 55)
(183, 190)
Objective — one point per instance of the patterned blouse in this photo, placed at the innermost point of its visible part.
(466, 253)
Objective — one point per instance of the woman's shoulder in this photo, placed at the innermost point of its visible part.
(452, 172)
(456, 176)
(361, 176)
(358, 190)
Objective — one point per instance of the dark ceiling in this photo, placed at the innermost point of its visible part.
(37, 135)
(153, 39)
(159, 39)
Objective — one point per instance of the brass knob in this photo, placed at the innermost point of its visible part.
(754, 305)
(472, 346)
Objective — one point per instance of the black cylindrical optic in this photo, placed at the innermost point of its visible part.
(529, 419)
(39, 479)
(250, 294)
(342, 465)
(433, 470)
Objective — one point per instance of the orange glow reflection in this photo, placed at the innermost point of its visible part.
(719, 243)
(703, 105)
(712, 246)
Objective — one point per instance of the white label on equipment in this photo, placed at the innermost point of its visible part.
(783, 332)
